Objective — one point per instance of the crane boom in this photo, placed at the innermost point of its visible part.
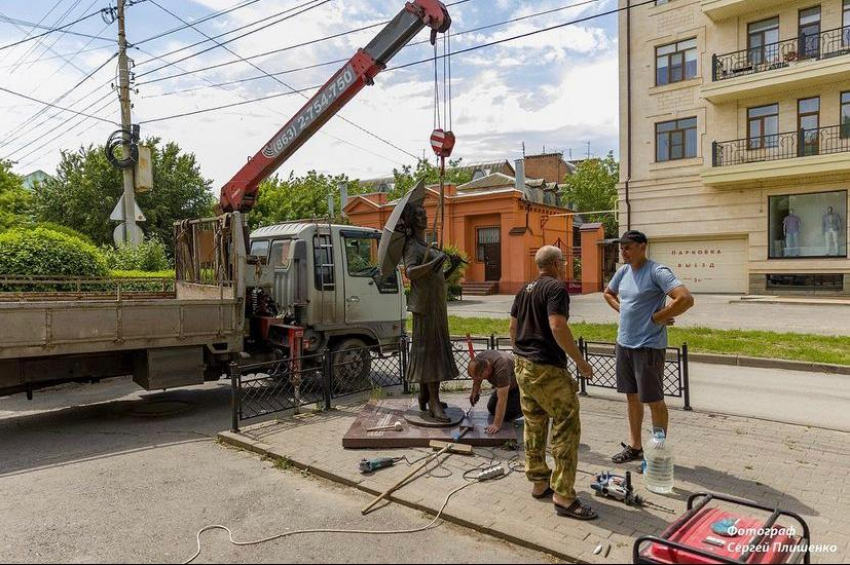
(240, 193)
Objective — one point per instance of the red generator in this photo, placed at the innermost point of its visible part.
(708, 535)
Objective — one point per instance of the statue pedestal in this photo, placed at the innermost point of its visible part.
(387, 412)
(415, 417)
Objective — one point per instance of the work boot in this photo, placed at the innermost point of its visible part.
(436, 407)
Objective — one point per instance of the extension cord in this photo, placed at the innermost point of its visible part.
(490, 473)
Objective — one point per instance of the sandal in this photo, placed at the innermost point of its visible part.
(628, 454)
(577, 511)
(545, 494)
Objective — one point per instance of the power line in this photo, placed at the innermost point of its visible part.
(298, 45)
(229, 50)
(16, 22)
(415, 63)
(209, 17)
(49, 48)
(289, 15)
(56, 29)
(340, 61)
(44, 17)
(56, 101)
(31, 99)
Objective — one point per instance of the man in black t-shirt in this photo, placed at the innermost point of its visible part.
(542, 340)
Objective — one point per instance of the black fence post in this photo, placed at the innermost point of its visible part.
(582, 382)
(494, 343)
(715, 158)
(327, 377)
(685, 378)
(405, 345)
(714, 67)
(235, 401)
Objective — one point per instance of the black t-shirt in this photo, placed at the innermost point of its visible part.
(532, 307)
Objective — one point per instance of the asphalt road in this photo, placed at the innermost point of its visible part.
(86, 475)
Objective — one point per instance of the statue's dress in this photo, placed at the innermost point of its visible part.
(431, 356)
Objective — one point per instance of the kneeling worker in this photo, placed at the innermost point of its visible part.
(497, 368)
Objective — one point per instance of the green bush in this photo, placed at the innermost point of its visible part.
(150, 256)
(41, 251)
(453, 282)
(64, 230)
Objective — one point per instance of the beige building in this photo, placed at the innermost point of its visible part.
(735, 141)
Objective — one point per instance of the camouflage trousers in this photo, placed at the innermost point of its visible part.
(550, 393)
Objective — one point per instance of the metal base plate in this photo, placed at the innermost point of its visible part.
(387, 412)
(415, 417)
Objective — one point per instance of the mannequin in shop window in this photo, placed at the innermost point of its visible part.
(831, 229)
(791, 227)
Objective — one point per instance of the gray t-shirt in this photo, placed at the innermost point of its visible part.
(642, 293)
(503, 368)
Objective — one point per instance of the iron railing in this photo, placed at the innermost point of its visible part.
(790, 145)
(18, 288)
(825, 45)
(316, 380)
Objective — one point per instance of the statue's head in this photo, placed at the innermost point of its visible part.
(415, 218)
(829, 210)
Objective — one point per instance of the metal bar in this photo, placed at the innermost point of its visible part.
(683, 369)
(235, 401)
(327, 378)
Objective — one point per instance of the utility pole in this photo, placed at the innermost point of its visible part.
(131, 230)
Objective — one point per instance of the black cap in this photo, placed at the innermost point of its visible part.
(633, 236)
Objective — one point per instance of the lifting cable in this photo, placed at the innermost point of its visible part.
(442, 140)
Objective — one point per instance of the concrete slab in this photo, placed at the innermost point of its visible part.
(782, 465)
(386, 412)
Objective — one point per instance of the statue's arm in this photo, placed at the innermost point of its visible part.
(418, 271)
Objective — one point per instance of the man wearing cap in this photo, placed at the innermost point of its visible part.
(639, 291)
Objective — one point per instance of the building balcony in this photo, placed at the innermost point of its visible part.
(780, 67)
(719, 10)
(818, 153)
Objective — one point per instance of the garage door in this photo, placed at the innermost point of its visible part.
(718, 265)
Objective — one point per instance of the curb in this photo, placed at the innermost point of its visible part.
(240, 441)
(762, 363)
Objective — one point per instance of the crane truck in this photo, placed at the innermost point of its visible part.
(283, 290)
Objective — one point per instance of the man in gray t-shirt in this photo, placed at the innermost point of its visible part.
(639, 292)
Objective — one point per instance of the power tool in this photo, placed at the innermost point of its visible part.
(376, 464)
(617, 487)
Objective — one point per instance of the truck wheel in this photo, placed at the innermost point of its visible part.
(351, 366)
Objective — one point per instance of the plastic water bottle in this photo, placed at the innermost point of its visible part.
(658, 464)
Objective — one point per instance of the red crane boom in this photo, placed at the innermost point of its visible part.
(240, 193)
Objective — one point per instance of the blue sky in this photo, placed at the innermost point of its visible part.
(556, 90)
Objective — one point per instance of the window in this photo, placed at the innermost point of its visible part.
(323, 262)
(846, 23)
(361, 256)
(676, 140)
(260, 248)
(845, 115)
(763, 127)
(808, 126)
(280, 256)
(486, 237)
(762, 42)
(810, 282)
(809, 33)
(676, 62)
(808, 225)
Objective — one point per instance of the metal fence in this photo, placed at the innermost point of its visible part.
(780, 55)
(316, 380)
(777, 147)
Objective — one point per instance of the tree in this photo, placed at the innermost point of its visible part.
(406, 178)
(15, 201)
(86, 189)
(593, 187)
(298, 198)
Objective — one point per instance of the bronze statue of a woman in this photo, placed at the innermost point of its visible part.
(431, 356)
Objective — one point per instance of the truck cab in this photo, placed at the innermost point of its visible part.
(316, 287)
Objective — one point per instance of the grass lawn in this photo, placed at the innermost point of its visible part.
(795, 347)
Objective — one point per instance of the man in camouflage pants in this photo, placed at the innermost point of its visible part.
(542, 340)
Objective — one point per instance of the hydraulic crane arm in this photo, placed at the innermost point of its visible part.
(240, 193)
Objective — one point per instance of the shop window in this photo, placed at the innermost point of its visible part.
(676, 62)
(676, 140)
(808, 225)
(806, 282)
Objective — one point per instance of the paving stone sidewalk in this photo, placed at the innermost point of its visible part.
(796, 468)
